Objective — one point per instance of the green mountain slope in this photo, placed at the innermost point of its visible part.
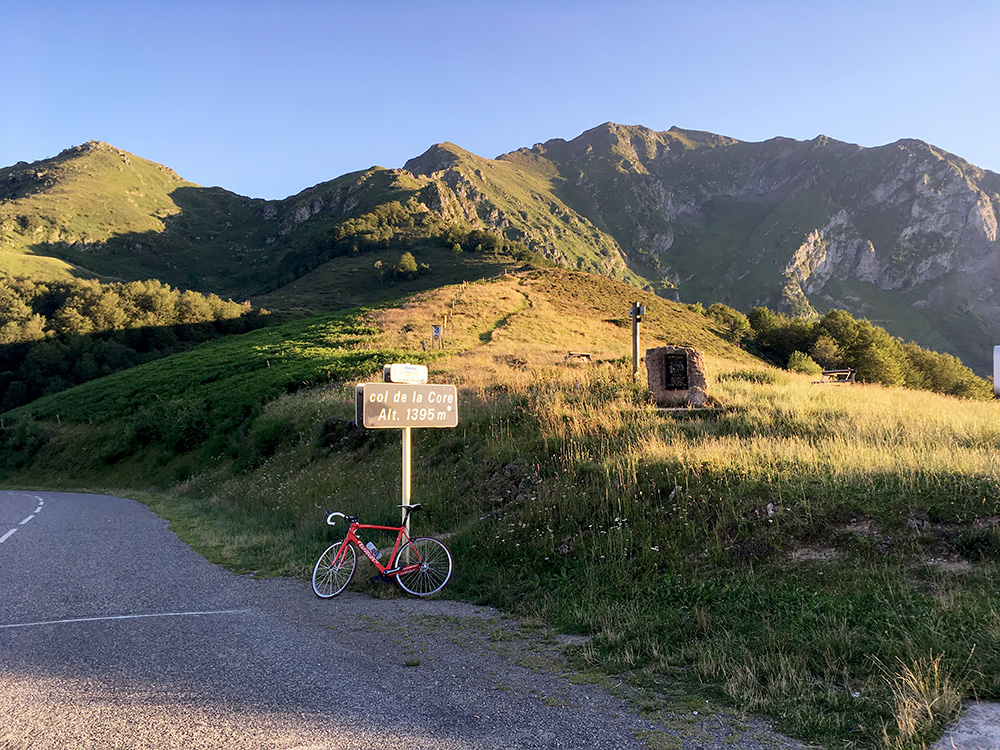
(523, 203)
(800, 226)
(548, 312)
(113, 214)
(96, 210)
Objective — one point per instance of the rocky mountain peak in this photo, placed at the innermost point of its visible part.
(438, 158)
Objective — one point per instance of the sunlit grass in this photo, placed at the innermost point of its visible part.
(767, 553)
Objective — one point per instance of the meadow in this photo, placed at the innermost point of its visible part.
(822, 555)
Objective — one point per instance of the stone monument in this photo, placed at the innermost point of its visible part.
(677, 376)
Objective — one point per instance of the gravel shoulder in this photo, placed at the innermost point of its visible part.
(500, 654)
(494, 665)
(978, 728)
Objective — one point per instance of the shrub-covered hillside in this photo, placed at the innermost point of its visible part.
(57, 334)
(837, 340)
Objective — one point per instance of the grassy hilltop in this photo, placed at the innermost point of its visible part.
(826, 556)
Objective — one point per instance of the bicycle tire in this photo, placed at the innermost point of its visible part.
(435, 566)
(328, 579)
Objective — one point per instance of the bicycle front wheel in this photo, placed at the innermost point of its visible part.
(329, 579)
(434, 566)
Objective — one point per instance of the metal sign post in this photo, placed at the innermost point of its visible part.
(404, 405)
(405, 517)
(636, 314)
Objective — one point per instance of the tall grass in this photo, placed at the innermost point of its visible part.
(925, 695)
(769, 554)
(765, 552)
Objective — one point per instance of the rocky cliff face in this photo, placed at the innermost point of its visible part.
(905, 234)
(925, 228)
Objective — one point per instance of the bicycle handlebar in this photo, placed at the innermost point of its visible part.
(331, 515)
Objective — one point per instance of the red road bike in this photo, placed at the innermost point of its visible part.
(421, 566)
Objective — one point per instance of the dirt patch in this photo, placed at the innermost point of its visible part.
(815, 554)
(948, 564)
(861, 527)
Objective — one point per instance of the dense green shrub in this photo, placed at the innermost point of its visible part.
(800, 362)
(839, 340)
(21, 442)
(733, 322)
(406, 267)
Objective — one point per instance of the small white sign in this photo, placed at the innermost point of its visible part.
(405, 373)
(996, 370)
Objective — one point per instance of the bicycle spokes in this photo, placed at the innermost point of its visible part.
(433, 566)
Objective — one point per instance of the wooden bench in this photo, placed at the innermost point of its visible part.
(837, 376)
(583, 356)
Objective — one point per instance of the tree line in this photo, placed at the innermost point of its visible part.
(398, 225)
(57, 334)
(837, 340)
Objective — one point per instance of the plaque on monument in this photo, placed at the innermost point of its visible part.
(676, 371)
(677, 376)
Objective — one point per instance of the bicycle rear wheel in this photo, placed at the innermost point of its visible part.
(330, 579)
(434, 566)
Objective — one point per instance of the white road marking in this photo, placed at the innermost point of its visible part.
(38, 510)
(26, 494)
(126, 617)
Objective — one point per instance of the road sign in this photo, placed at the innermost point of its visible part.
(396, 405)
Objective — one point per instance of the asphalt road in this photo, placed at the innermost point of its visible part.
(115, 634)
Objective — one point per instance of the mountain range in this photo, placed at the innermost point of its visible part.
(904, 235)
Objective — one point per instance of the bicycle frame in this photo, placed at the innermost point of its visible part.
(401, 539)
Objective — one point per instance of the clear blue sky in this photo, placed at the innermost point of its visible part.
(269, 98)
